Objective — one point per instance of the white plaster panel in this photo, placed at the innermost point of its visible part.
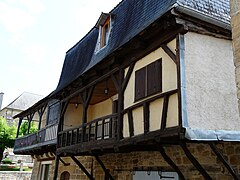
(210, 83)
(155, 114)
(125, 126)
(172, 114)
(138, 123)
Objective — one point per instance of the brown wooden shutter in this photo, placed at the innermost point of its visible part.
(140, 83)
(154, 77)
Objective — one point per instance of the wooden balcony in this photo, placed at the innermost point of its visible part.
(102, 130)
(101, 135)
(36, 141)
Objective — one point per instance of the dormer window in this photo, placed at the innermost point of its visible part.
(104, 25)
(105, 29)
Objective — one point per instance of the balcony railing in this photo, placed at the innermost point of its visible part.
(100, 129)
(42, 137)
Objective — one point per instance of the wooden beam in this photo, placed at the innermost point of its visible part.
(194, 161)
(82, 168)
(224, 161)
(56, 168)
(164, 112)
(120, 106)
(106, 171)
(130, 123)
(169, 52)
(171, 163)
(19, 125)
(64, 163)
(146, 117)
(129, 73)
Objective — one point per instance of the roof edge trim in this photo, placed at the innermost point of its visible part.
(204, 17)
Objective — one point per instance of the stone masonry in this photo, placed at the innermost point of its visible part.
(235, 22)
(121, 165)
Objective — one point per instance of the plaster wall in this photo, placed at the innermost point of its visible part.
(210, 83)
(99, 110)
(169, 82)
(72, 116)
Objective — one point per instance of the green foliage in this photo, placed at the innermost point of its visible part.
(24, 128)
(7, 161)
(7, 134)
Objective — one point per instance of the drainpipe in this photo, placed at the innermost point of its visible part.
(1, 99)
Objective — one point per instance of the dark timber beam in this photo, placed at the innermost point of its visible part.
(194, 161)
(82, 168)
(170, 162)
(64, 163)
(106, 171)
(19, 125)
(30, 117)
(56, 168)
(146, 112)
(169, 53)
(130, 123)
(40, 114)
(224, 161)
(164, 112)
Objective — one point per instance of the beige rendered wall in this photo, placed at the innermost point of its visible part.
(235, 22)
(72, 116)
(169, 82)
(99, 110)
(210, 83)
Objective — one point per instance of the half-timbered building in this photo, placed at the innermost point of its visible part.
(147, 93)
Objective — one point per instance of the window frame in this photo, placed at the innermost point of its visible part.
(104, 36)
(143, 87)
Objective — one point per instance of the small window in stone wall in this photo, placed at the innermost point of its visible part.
(148, 80)
(65, 175)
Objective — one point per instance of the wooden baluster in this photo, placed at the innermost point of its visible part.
(96, 130)
(110, 127)
(89, 132)
(103, 122)
(77, 136)
(72, 138)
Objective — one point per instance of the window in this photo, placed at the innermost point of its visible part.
(65, 176)
(105, 29)
(148, 80)
(104, 24)
(45, 169)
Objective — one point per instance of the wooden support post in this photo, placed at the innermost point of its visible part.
(224, 161)
(82, 168)
(29, 117)
(56, 168)
(170, 162)
(19, 125)
(85, 97)
(164, 112)
(194, 161)
(130, 123)
(107, 174)
(146, 117)
(40, 113)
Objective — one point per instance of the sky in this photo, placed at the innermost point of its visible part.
(34, 37)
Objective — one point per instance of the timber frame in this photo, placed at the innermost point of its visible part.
(78, 142)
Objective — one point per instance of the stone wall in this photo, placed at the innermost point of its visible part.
(10, 175)
(121, 165)
(235, 22)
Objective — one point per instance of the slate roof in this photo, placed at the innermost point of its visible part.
(130, 17)
(24, 101)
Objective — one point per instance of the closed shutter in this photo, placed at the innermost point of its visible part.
(140, 84)
(154, 77)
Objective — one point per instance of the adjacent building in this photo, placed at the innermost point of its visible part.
(21, 103)
(148, 93)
